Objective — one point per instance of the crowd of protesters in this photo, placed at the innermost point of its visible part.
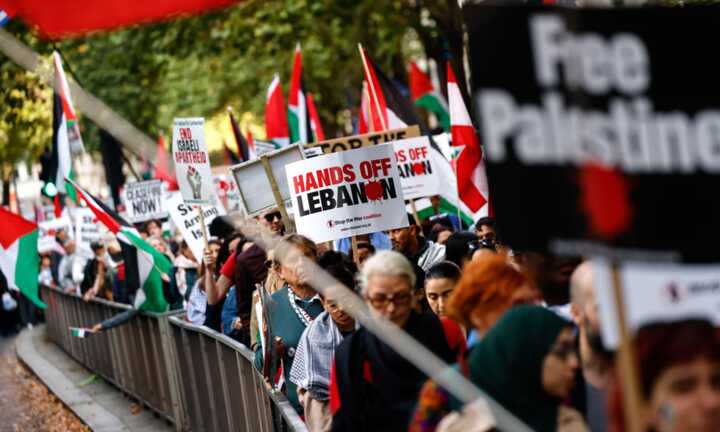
(522, 327)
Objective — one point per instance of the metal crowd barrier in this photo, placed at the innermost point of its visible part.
(194, 377)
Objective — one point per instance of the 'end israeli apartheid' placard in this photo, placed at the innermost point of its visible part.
(418, 175)
(192, 164)
(349, 193)
(187, 220)
(144, 201)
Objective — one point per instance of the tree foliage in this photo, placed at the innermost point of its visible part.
(195, 66)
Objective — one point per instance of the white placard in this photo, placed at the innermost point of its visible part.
(144, 200)
(47, 231)
(657, 292)
(192, 164)
(256, 194)
(187, 220)
(418, 175)
(348, 193)
(87, 230)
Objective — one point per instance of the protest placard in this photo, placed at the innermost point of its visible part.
(87, 230)
(612, 153)
(256, 193)
(348, 193)
(48, 229)
(187, 220)
(416, 167)
(144, 201)
(192, 164)
(364, 140)
(657, 293)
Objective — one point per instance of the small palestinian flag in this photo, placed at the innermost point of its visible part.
(276, 122)
(426, 96)
(298, 115)
(144, 265)
(79, 332)
(19, 260)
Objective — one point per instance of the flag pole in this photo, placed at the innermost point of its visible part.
(372, 87)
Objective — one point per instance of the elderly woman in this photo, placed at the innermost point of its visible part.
(679, 367)
(373, 388)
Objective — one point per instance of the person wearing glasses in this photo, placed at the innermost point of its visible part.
(372, 387)
(291, 309)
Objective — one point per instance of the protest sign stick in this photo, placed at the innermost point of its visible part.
(202, 225)
(632, 401)
(276, 194)
(353, 245)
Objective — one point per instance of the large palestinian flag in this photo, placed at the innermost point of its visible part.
(19, 259)
(143, 264)
(389, 109)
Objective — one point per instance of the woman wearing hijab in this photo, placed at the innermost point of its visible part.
(526, 362)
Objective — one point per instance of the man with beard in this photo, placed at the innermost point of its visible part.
(596, 361)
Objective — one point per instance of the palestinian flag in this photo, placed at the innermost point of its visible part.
(19, 260)
(276, 126)
(389, 109)
(66, 135)
(242, 145)
(424, 95)
(317, 130)
(143, 263)
(470, 168)
(298, 116)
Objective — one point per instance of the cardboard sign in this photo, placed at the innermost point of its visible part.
(365, 140)
(598, 129)
(144, 201)
(256, 194)
(192, 164)
(416, 167)
(187, 220)
(87, 230)
(348, 193)
(47, 231)
(657, 293)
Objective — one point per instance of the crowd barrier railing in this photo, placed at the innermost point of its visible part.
(195, 378)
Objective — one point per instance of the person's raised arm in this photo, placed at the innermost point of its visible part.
(215, 290)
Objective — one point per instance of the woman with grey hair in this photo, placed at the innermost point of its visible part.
(373, 388)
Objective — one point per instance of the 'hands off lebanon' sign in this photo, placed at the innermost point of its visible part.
(192, 165)
(416, 166)
(348, 193)
(144, 201)
(188, 221)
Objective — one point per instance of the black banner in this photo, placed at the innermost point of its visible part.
(601, 127)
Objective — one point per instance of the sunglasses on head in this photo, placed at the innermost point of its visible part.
(271, 216)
